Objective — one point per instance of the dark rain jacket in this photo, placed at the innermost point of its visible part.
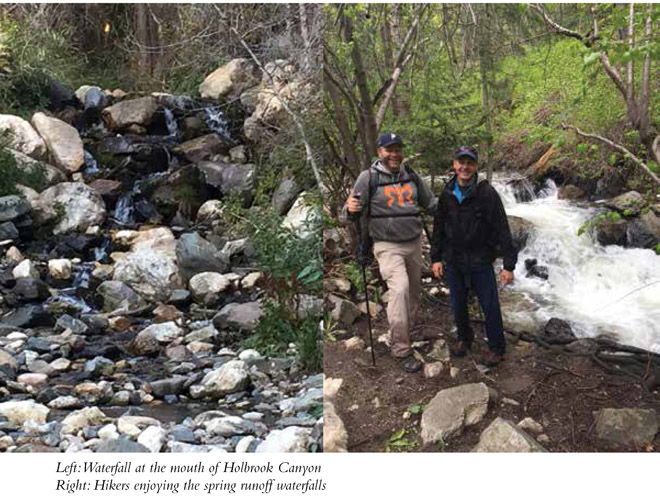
(474, 232)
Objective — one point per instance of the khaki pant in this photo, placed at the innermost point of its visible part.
(401, 267)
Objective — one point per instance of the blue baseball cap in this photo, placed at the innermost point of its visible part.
(387, 139)
(466, 151)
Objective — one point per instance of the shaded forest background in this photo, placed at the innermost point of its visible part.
(516, 80)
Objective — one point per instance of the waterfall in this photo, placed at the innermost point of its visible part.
(589, 285)
(170, 121)
(216, 121)
(91, 166)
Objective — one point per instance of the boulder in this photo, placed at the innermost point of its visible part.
(630, 203)
(63, 142)
(139, 111)
(73, 206)
(235, 316)
(644, 232)
(207, 287)
(108, 189)
(453, 409)
(229, 378)
(116, 295)
(13, 207)
(196, 255)
(292, 439)
(570, 192)
(203, 148)
(230, 80)
(22, 137)
(8, 231)
(153, 438)
(150, 268)
(345, 312)
(502, 436)
(302, 218)
(626, 428)
(31, 167)
(284, 196)
(610, 232)
(521, 229)
(558, 331)
(230, 178)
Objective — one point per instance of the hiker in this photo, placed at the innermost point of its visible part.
(389, 195)
(470, 230)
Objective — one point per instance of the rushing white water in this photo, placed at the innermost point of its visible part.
(599, 290)
(216, 121)
(91, 166)
(170, 121)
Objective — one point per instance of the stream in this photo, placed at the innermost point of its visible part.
(612, 291)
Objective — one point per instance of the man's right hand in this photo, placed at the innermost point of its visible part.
(437, 270)
(353, 205)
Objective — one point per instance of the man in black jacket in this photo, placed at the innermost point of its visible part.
(470, 230)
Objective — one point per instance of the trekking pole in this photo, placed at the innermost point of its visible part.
(363, 266)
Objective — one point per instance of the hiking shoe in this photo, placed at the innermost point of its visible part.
(460, 348)
(491, 358)
(410, 364)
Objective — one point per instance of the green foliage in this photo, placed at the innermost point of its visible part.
(353, 273)
(416, 409)
(610, 216)
(657, 249)
(400, 442)
(33, 176)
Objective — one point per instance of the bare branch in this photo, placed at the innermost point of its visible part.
(296, 120)
(615, 146)
(556, 27)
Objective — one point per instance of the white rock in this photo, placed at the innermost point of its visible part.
(22, 137)
(26, 269)
(432, 370)
(501, 436)
(250, 281)
(230, 377)
(65, 403)
(32, 379)
(302, 218)
(529, 424)
(229, 80)
(289, 440)
(331, 387)
(153, 437)
(59, 269)
(207, 286)
(354, 343)
(63, 142)
(163, 332)
(18, 412)
(79, 419)
(130, 424)
(108, 432)
(81, 207)
(210, 211)
(243, 445)
(249, 354)
(335, 437)
(14, 254)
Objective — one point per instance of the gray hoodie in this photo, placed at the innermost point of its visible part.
(395, 204)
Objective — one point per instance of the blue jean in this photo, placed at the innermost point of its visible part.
(481, 279)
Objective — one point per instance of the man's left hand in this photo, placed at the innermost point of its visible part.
(506, 277)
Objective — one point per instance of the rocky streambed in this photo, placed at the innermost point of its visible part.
(125, 297)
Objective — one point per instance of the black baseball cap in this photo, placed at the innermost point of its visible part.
(466, 151)
(387, 139)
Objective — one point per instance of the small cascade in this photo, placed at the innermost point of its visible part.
(101, 252)
(217, 122)
(170, 121)
(124, 212)
(91, 166)
(82, 276)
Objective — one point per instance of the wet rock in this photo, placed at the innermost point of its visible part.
(583, 346)
(31, 289)
(290, 440)
(453, 409)
(235, 316)
(284, 196)
(521, 230)
(558, 331)
(203, 148)
(533, 269)
(644, 232)
(28, 316)
(230, 377)
(230, 80)
(8, 231)
(630, 203)
(62, 140)
(610, 232)
(168, 386)
(108, 189)
(195, 255)
(230, 178)
(139, 111)
(620, 428)
(116, 295)
(501, 436)
(19, 412)
(12, 207)
(73, 205)
(570, 192)
(22, 137)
